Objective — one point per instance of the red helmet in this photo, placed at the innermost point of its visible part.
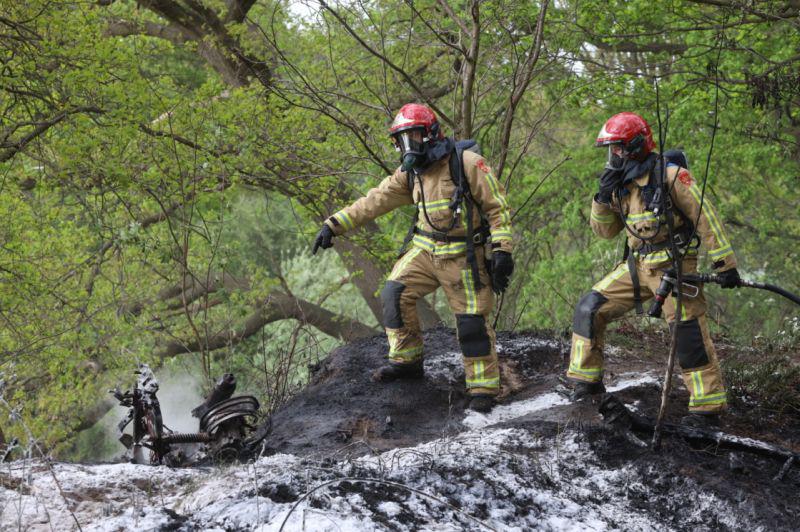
(415, 115)
(629, 130)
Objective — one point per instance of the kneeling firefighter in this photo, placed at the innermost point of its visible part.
(463, 210)
(638, 195)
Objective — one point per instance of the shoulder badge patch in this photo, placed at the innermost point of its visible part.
(685, 178)
(484, 167)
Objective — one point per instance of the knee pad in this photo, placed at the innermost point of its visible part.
(583, 320)
(390, 296)
(689, 346)
(472, 335)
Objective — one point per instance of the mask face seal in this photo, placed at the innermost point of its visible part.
(411, 145)
(615, 159)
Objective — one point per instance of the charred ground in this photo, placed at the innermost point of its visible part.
(349, 453)
(343, 413)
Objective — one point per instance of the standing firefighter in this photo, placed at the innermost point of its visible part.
(636, 196)
(461, 207)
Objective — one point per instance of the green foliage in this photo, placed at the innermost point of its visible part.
(166, 167)
(765, 384)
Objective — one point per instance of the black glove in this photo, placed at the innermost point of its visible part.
(323, 239)
(729, 278)
(610, 180)
(502, 268)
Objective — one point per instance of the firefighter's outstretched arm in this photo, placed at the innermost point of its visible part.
(390, 194)
(688, 198)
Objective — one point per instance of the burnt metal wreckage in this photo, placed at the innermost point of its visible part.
(224, 433)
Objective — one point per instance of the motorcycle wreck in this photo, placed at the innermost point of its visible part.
(226, 425)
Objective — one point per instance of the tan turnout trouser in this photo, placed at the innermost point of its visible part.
(418, 273)
(612, 297)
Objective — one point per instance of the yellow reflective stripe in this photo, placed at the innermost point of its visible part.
(708, 211)
(589, 372)
(486, 383)
(642, 217)
(439, 249)
(575, 365)
(603, 218)
(697, 384)
(469, 292)
(684, 316)
(658, 256)
(501, 233)
(434, 206)
(711, 399)
(402, 263)
(621, 270)
(720, 253)
(424, 243)
(477, 370)
(344, 219)
(479, 379)
(494, 187)
(409, 354)
(435, 203)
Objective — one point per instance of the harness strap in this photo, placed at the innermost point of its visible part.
(462, 190)
(481, 237)
(637, 289)
(472, 260)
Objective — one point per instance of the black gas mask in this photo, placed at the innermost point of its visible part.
(411, 143)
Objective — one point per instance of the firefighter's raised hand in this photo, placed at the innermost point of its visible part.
(323, 239)
(502, 268)
(610, 180)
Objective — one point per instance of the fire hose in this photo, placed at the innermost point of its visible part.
(668, 282)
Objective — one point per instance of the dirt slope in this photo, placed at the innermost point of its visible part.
(342, 405)
(350, 454)
(343, 412)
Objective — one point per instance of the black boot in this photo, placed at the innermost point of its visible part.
(582, 390)
(392, 371)
(698, 420)
(481, 403)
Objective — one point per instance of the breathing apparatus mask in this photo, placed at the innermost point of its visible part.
(411, 144)
(615, 160)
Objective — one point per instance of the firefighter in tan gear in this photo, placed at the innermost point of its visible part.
(461, 210)
(633, 199)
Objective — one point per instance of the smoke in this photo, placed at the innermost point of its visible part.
(178, 395)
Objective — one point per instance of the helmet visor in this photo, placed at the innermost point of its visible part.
(410, 141)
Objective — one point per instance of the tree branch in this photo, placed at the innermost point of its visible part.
(520, 87)
(278, 306)
(237, 10)
(127, 28)
(14, 147)
(388, 62)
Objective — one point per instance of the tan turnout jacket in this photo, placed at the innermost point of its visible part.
(686, 195)
(438, 189)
